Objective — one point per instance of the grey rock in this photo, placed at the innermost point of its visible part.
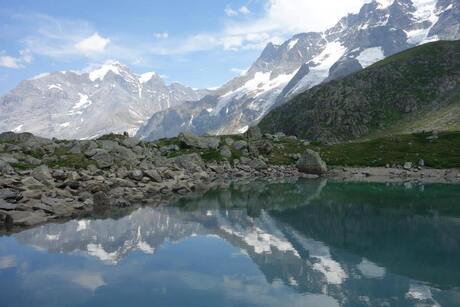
(7, 206)
(190, 162)
(26, 218)
(194, 141)
(32, 183)
(169, 148)
(240, 145)
(130, 142)
(254, 133)
(5, 168)
(10, 195)
(136, 175)
(102, 158)
(407, 165)
(226, 152)
(311, 163)
(153, 175)
(42, 174)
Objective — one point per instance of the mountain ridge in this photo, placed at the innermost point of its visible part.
(401, 89)
(378, 30)
(82, 105)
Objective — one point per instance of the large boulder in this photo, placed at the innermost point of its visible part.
(102, 158)
(254, 133)
(191, 162)
(311, 163)
(200, 142)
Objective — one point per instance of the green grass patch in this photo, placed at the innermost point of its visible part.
(443, 152)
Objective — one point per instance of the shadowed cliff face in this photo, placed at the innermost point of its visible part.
(347, 244)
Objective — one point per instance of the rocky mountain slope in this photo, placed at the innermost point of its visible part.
(380, 29)
(74, 105)
(398, 93)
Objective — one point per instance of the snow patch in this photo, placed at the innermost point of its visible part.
(18, 128)
(52, 237)
(292, 44)
(319, 67)
(65, 125)
(146, 77)
(243, 129)
(82, 225)
(98, 251)
(55, 86)
(370, 269)
(369, 56)
(383, 4)
(99, 74)
(424, 10)
(83, 103)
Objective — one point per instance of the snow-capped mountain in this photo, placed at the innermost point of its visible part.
(73, 105)
(381, 28)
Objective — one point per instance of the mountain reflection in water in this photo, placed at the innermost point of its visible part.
(305, 243)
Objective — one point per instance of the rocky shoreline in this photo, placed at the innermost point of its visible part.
(46, 180)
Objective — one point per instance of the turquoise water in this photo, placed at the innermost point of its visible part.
(309, 243)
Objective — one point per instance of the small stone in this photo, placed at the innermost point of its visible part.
(154, 175)
(407, 165)
(136, 175)
(226, 152)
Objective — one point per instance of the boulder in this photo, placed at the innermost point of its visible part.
(5, 168)
(25, 218)
(311, 163)
(42, 174)
(407, 165)
(102, 158)
(130, 142)
(136, 175)
(153, 174)
(226, 152)
(254, 133)
(190, 162)
(199, 142)
(240, 145)
(32, 183)
(7, 206)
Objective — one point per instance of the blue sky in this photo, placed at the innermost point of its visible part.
(201, 43)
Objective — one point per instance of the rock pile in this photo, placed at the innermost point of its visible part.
(43, 179)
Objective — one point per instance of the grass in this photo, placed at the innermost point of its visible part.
(443, 152)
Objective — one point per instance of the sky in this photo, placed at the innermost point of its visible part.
(200, 43)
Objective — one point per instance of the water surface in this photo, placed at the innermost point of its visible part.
(309, 243)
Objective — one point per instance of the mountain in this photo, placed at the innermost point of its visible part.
(415, 90)
(380, 29)
(73, 105)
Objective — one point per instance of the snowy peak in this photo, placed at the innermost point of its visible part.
(146, 77)
(113, 66)
(73, 105)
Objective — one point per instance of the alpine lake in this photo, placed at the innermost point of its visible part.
(290, 243)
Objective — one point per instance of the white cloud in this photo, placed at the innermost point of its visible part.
(279, 20)
(161, 35)
(244, 10)
(230, 12)
(25, 57)
(92, 44)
